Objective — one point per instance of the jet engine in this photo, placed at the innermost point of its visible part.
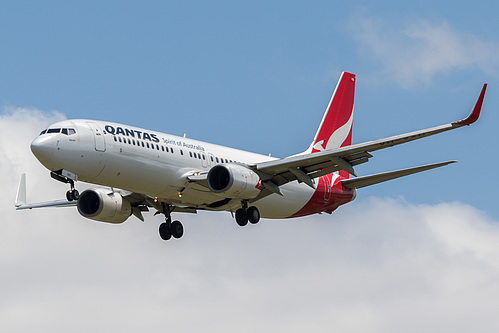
(234, 181)
(104, 205)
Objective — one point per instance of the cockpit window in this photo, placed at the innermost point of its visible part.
(65, 131)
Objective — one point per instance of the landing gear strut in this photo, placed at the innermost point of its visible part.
(245, 214)
(72, 194)
(169, 228)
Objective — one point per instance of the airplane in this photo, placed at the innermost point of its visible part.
(138, 169)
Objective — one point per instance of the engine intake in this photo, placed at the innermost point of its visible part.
(105, 206)
(234, 181)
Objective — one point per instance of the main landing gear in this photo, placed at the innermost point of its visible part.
(247, 214)
(169, 228)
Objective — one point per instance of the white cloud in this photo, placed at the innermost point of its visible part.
(377, 265)
(415, 51)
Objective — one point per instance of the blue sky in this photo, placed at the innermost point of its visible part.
(258, 76)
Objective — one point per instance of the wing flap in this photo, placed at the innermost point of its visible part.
(383, 177)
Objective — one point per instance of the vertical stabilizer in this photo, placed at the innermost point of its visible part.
(335, 129)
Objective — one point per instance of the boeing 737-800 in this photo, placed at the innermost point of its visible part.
(138, 169)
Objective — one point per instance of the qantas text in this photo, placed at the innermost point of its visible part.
(132, 133)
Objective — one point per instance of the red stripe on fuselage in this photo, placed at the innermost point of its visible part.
(326, 197)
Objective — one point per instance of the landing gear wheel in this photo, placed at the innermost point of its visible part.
(176, 229)
(253, 215)
(241, 217)
(72, 195)
(164, 231)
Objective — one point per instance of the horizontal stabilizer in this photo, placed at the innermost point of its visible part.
(383, 177)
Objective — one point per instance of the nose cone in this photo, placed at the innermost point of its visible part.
(43, 148)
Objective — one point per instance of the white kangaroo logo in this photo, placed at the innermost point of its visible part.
(337, 137)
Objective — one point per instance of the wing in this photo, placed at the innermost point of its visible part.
(21, 199)
(305, 167)
(141, 203)
(55, 203)
(138, 201)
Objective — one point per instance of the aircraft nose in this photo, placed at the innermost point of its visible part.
(43, 149)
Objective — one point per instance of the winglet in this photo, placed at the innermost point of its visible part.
(475, 113)
(21, 192)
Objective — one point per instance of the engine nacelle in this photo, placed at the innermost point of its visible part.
(234, 181)
(103, 205)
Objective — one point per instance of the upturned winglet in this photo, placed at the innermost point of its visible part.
(475, 113)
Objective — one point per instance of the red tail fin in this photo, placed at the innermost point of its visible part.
(335, 129)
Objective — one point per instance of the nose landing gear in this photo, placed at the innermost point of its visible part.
(68, 178)
(72, 194)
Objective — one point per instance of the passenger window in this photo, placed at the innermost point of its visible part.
(190, 154)
(172, 150)
(115, 140)
(216, 159)
(181, 152)
(204, 157)
(211, 157)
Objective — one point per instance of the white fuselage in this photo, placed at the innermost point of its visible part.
(153, 163)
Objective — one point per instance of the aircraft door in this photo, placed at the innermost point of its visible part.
(211, 159)
(204, 160)
(100, 141)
